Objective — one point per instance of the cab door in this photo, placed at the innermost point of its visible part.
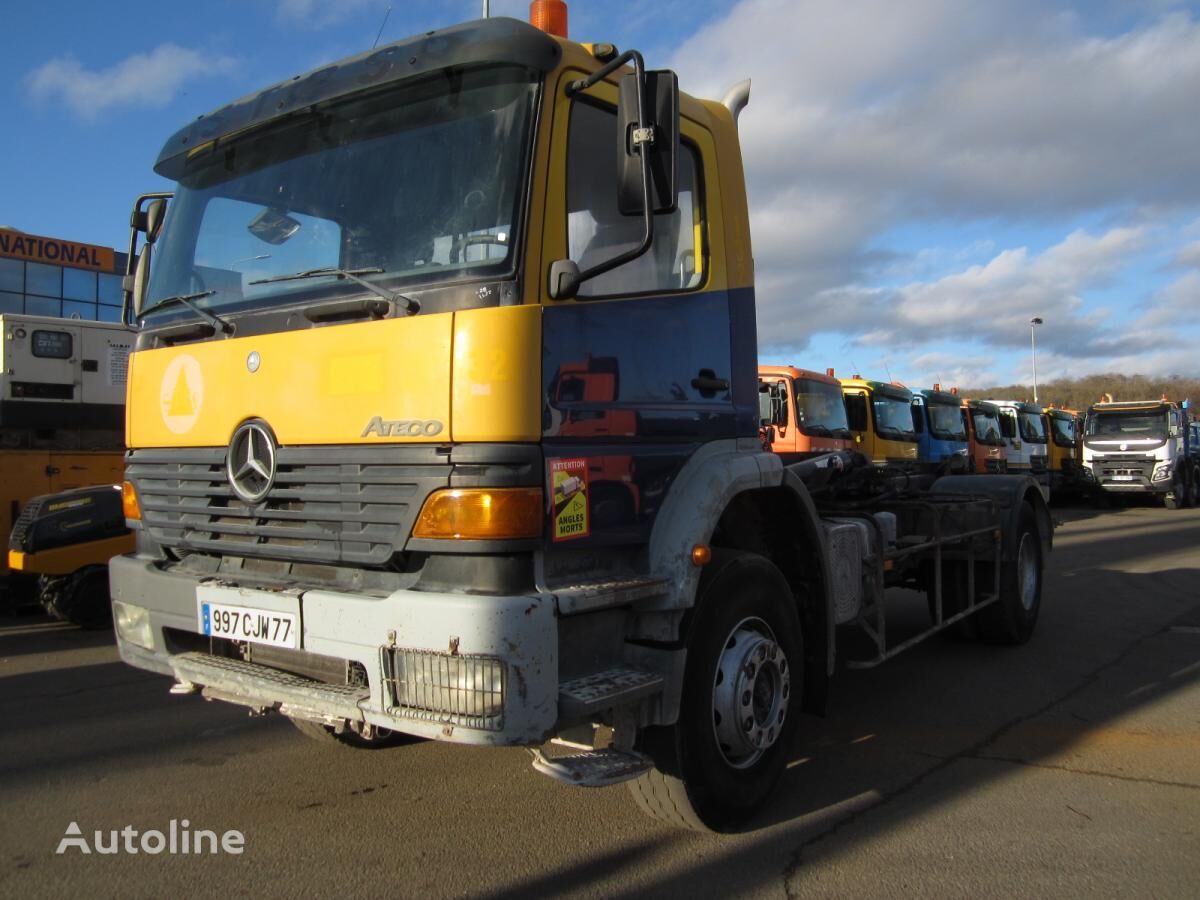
(676, 339)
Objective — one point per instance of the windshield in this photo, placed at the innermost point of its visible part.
(418, 184)
(1033, 429)
(820, 411)
(987, 427)
(946, 421)
(1134, 424)
(1062, 430)
(893, 418)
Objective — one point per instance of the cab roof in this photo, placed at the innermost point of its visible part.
(932, 396)
(894, 391)
(1019, 405)
(482, 42)
(794, 372)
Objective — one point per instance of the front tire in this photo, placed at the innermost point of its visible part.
(742, 691)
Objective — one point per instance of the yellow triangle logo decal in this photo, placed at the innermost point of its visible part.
(181, 398)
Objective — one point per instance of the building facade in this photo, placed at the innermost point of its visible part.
(46, 276)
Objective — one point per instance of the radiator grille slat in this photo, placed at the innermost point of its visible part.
(349, 505)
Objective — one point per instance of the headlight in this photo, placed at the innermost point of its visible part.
(133, 624)
(1163, 471)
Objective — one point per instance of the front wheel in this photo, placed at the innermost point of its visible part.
(743, 684)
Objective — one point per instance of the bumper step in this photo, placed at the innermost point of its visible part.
(588, 596)
(590, 694)
(597, 768)
(238, 681)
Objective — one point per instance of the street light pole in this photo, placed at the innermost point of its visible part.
(1033, 324)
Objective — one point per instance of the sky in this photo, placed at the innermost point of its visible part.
(925, 176)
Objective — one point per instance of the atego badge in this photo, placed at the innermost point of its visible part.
(568, 482)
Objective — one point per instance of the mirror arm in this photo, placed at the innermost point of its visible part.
(575, 87)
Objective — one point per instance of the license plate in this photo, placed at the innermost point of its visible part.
(279, 628)
(1122, 478)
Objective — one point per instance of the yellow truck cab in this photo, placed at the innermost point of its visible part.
(1064, 451)
(443, 421)
(880, 417)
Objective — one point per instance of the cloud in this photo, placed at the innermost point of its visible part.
(141, 80)
(877, 116)
(1189, 256)
(321, 13)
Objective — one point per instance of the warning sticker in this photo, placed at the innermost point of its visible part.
(568, 481)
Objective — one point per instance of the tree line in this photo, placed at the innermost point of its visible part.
(1080, 393)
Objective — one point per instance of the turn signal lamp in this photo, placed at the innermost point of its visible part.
(550, 16)
(129, 502)
(701, 555)
(481, 514)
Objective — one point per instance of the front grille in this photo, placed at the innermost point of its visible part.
(1111, 467)
(467, 691)
(353, 505)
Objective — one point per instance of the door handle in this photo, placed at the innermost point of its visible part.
(707, 383)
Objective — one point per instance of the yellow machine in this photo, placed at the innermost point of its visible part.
(880, 416)
(62, 396)
(443, 421)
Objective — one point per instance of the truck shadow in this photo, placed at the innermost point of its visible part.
(36, 633)
(938, 724)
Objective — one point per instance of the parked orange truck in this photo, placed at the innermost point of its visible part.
(988, 450)
(803, 410)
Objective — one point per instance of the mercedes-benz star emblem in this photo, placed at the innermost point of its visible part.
(250, 464)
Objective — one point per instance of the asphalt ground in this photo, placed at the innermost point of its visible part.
(1068, 767)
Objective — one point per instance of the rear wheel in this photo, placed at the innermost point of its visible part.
(743, 683)
(1013, 617)
(80, 598)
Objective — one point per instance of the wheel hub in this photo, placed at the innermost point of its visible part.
(751, 692)
(1027, 572)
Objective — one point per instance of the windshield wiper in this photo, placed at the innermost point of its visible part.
(189, 300)
(816, 430)
(409, 305)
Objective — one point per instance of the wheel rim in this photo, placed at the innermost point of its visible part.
(751, 692)
(1027, 571)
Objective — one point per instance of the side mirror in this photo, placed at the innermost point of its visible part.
(564, 279)
(156, 211)
(135, 284)
(659, 141)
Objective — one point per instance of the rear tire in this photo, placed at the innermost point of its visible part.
(742, 691)
(80, 598)
(1013, 617)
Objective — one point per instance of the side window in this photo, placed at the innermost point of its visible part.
(596, 230)
(856, 411)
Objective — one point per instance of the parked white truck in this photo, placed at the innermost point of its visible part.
(1141, 447)
(1024, 430)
